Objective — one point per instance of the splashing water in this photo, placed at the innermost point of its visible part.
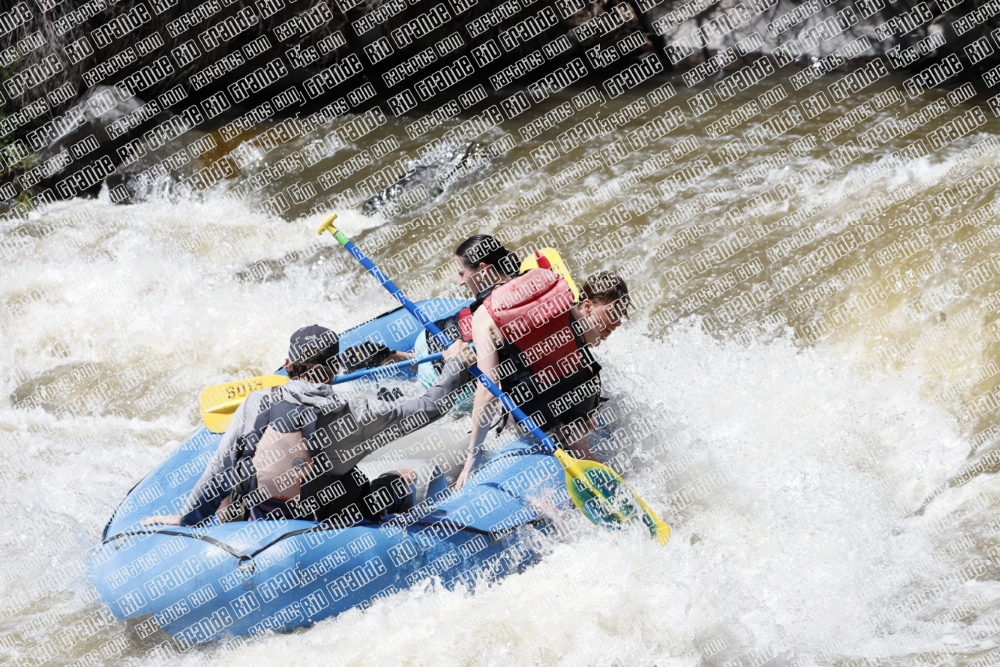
(820, 515)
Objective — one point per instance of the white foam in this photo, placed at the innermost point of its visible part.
(799, 535)
(793, 555)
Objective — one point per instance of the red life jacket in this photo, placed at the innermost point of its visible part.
(544, 365)
(532, 312)
(465, 324)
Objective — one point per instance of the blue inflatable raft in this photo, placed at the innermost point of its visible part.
(245, 578)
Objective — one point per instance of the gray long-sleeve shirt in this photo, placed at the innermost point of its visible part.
(347, 431)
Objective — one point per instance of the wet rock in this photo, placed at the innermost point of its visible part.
(428, 177)
(100, 112)
(692, 41)
(99, 120)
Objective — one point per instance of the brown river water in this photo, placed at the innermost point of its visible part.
(812, 359)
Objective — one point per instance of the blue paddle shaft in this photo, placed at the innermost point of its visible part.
(388, 367)
(412, 308)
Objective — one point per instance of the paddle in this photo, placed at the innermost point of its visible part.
(597, 490)
(219, 401)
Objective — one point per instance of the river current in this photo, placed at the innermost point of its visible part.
(808, 376)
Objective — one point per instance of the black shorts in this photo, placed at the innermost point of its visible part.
(331, 496)
(327, 497)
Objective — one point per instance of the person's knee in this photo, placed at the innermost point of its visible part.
(408, 475)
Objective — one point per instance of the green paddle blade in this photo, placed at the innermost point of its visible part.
(604, 497)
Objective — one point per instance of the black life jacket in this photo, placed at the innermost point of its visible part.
(322, 495)
(367, 354)
(545, 366)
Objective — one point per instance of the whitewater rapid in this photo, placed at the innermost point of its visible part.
(812, 494)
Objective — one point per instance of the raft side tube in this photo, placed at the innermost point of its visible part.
(245, 578)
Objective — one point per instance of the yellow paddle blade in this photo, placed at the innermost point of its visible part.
(548, 258)
(219, 402)
(604, 497)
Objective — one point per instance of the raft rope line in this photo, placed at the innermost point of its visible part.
(493, 535)
(356, 326)
(195, 536)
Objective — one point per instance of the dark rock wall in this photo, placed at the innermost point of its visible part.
(206, 63)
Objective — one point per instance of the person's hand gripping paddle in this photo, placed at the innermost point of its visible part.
(218, 402)
(597, 490)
